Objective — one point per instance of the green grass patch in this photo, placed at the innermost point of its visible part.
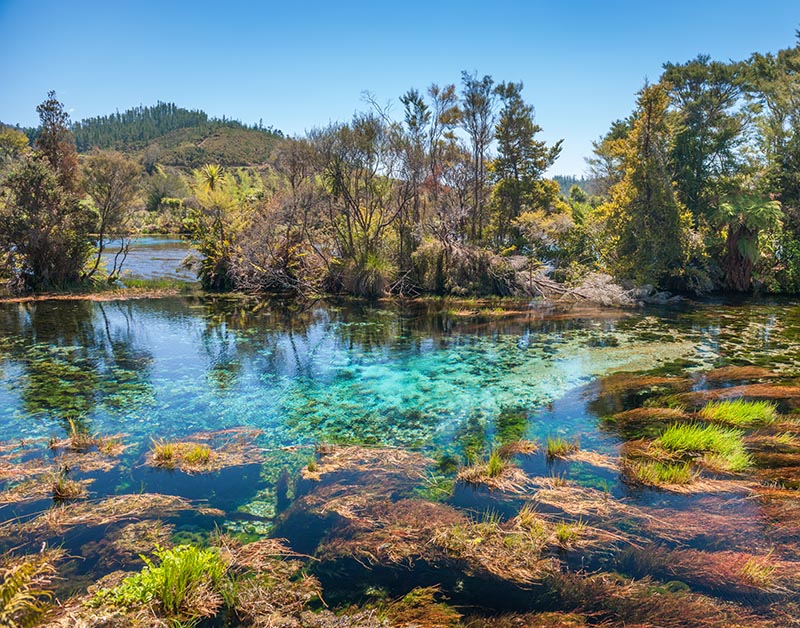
(657, 473)
(558, 447)
(740, 412)
(495, 466)
(198, 455)
(724, 444)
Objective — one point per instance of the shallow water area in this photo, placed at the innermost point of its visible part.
(273, 386)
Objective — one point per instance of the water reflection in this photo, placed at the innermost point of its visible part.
(420, 374)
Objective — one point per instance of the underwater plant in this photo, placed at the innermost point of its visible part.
(65, 490)
(657, 473)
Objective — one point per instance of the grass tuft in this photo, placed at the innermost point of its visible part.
(496, 465)
(198, 455)
(655, 473)
(739, 412)
(65, 490)
(724, 444)
(558, 447)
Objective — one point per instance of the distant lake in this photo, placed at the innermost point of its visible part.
(154, 257)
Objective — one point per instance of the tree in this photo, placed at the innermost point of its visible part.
(708, 130)
(744, 216)
(477, 119)
(44, 229)
(646, 223)
(521, 161)
(111, 181)
(13, 144)
(56, 143)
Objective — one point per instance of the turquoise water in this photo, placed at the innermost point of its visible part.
(170, 367)
(414, 376)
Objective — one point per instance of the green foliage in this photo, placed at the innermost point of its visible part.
(558, 447)
(739, 412)
(184, 585)
(496, 465)
(656, 473)
(141, 125)
(646, 225)
(198, 455)
(24, 590)
(724, 444)
(44, 229)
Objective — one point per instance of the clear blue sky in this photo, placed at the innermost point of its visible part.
(298, 65)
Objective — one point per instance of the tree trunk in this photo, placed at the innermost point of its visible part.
(738, 267)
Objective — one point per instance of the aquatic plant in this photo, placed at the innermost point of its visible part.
(422, 606)
(759, 570)
(185, 585)
(79, 437)
(725, 444)
(739, 412)
(25, 588)
(496, 465)
(567, 533)
(197, 455)
(657, 473)
(558, 447)
(65, 490)
(163, 452)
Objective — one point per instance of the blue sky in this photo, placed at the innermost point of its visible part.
(298, 65)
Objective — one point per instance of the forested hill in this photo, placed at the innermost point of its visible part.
(176, 136)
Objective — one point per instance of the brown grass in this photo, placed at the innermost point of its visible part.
(100, 513)
(749, 391)
(728, 373)
(510, 480)
(375, 462)
(207, 451)
(518, 448)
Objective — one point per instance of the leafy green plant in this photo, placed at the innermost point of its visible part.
(186, 585)
(24, 591)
